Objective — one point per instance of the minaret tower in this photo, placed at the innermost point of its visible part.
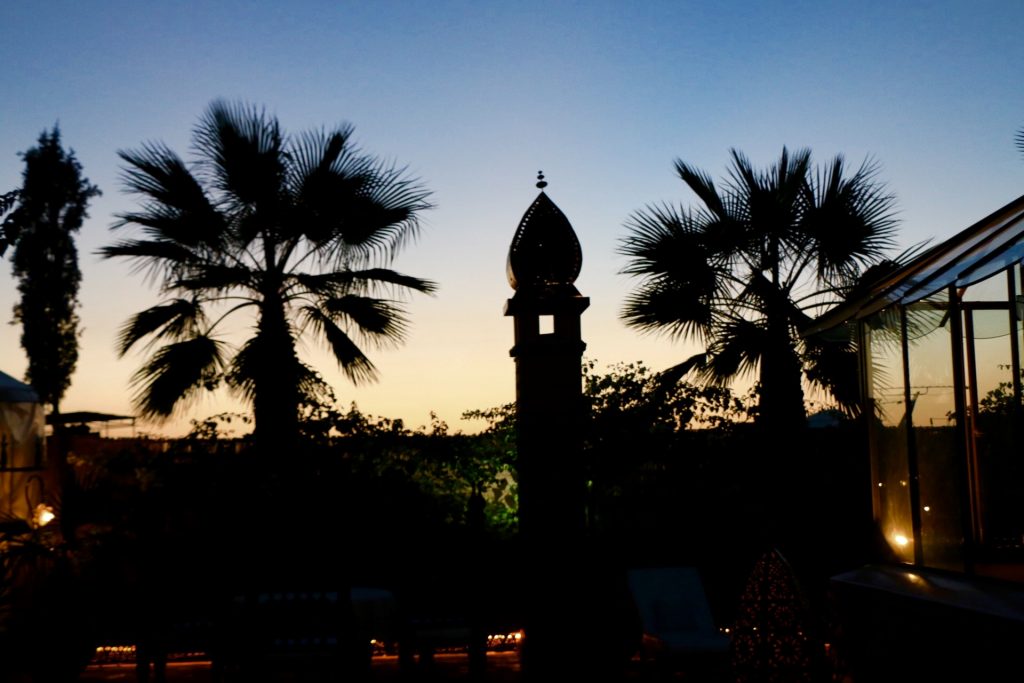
(543, 263)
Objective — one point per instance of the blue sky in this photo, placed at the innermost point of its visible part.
(475, 98)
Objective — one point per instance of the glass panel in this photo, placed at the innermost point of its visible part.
(996, 454)
(888, 434)
(1018, 302)
(935, 434)
(990, 289)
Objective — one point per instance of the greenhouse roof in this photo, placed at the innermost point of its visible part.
(985, 248)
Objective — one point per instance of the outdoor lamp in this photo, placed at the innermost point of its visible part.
(42, 515)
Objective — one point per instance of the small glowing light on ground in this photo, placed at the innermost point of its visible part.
(43, 515)
(880, 484)
(927, 508)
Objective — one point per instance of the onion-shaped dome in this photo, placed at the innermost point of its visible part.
(545, 253)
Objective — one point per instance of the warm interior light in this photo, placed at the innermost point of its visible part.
(43, 515)
(927, 508)
(500, 640)
(901, 540)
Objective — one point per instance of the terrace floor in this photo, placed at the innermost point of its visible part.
(502, 667)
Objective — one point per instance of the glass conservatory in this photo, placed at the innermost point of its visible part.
(940, 360)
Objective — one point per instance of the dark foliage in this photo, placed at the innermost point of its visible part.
(51, 207)
(7, 230)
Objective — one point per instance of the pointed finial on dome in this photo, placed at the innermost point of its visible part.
(545, 253)
(541, 183)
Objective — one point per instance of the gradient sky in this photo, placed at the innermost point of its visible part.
(475, 98)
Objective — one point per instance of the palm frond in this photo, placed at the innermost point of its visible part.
(319, 190)
(241, 375)
(831, 363)
(175, 375)
(664, 242)
(152, 257)
(680, 277)
(743, 179)
(378, 223)
(166, 224)
(351, 360)
(704, 187)
(735, 352)
(314, 152)
(177, 207)
(386, 210)
(174, 320)
(662, 307)
(216, 277)
(851, 221)
(338, 282)
(676, 373)
(351, 205)
(768, 203)
(379, 321)
(241, 150)
(764, 296)
(312, 387)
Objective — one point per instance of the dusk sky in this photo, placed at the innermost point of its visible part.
(475, 98)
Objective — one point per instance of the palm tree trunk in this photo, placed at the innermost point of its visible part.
(782, 396)
(276, 379)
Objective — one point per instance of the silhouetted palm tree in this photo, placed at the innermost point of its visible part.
(296, 229)
(759, 258)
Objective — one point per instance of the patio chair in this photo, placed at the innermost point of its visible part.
(679, 632)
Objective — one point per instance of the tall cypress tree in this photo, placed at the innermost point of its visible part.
(51, 208)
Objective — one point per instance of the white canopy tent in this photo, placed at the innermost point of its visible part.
(22, 448)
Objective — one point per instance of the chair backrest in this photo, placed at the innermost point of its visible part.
(674, 608)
